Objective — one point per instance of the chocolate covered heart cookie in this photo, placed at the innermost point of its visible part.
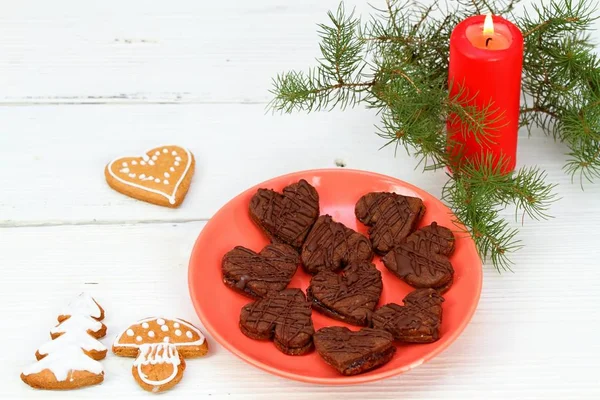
(331, 245)
(352, 353)
(351, 296)
(286, 217)
(391, 218)
(419, 268)
(418, 321)
(433, 239)
(284, 317)
(255, 275)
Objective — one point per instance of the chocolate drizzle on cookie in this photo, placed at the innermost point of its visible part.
(284, 317)
(256, 275)
(331, 245)
(351, 352)
(419, 268)
(287, 217)
(351, 296)
(390, 216)
(418, 321)
(433, 239)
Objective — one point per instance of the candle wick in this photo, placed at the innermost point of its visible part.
(487, 41)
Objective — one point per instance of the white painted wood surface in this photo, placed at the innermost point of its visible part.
(82, 83)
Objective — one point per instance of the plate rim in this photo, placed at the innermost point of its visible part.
(341, 380)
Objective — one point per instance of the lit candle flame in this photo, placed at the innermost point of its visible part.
(488, 25)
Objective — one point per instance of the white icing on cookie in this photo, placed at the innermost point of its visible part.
(83, 304)
(166, 182)
(167, 175)
(139, 338)
(72, 338)
(63, 363)
(77, 323)
(130, 332)
(172, 169)
(165, 151)
(145, 157)
(157, 353)
(191, 332)
(178, 332)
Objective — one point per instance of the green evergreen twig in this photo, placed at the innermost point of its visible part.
(397, 63)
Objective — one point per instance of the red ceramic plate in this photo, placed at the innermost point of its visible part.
(339, 189)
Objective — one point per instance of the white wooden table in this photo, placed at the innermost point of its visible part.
(83, 82)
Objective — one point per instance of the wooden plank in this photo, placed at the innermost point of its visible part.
(54, 157)
(140, 51)
(66, 52)
(530, 338)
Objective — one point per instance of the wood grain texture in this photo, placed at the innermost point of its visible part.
(138, 51)
(532, 336)
(83, 83)
(59, 153)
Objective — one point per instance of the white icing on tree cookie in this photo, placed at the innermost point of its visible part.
(65, 355)
(79, 323)
(63, 363)
(74, 338)
(84, 304)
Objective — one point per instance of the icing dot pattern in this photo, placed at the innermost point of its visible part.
(160, 330)
(163, 161)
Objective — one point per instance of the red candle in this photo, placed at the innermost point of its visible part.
(486, 58)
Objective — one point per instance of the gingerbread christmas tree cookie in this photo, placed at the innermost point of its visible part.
(70, 359)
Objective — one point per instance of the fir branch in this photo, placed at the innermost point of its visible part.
(560, 80)
(405, 79)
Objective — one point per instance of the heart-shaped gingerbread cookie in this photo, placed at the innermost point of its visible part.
(433, 239)
(284, 317)
(351, 352)
(162, 176)
(255, 275)
(421, 259)
(418, 321)
(351, 296)
(419, 269)
(391, 218)
(331, 245)
(286, 217)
